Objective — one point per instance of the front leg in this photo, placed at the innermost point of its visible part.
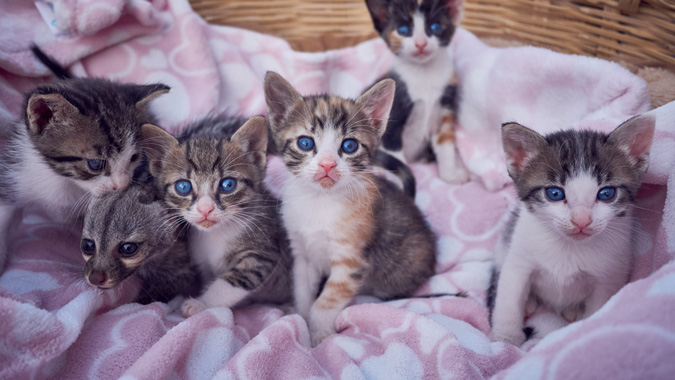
(306, 280)
(248, 274)
(344, 281)
(601, 294)
(513, 289)
(450, 166)
(9, 219)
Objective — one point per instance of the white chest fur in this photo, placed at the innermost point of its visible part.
(425, 83)
(209, 248)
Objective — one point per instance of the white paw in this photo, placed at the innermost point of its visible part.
(192, 306)
(454, 175)
(572, 314)
(531, 306)
(318, 333)
(515, 337)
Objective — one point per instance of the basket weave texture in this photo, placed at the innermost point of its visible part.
(642, 32)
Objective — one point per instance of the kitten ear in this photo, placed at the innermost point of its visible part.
(43, 110)
(141, 95)
(520, 144)
(279, 97)
(252, 137)
(456, 8)
(377, 102)
(635, 137)
(379, 13)
(156, 142)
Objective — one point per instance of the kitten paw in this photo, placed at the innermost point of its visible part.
(515, 338)
(191, 307)
(318, 334)
(531, 307)
(572, 314)
(453, 175)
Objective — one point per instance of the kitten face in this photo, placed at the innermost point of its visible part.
(89, 129)
(416, 31)
(326, 141)
(211, 181)
(579, 183)
(122, 231)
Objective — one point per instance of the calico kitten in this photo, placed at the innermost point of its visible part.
(570, 244)
(215, 184)
(419, 32)
(78, 137)
(131, 232)
(359, 230)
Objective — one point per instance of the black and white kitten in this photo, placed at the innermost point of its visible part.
(77, 137)
(422, 117)
(570, 244)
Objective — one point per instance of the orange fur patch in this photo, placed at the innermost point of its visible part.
(335, 293)
(349, 262)
(395, 42)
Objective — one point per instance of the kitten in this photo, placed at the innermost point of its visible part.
(422, 118)
(77, 137)
(130, 232)
(215, 184)
(359, 230)
(570, 244)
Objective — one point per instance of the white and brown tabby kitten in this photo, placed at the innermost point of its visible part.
(419, 32)
(215, 182)
(78, 137)
(360, 231)
(131, 232)
(570, 244)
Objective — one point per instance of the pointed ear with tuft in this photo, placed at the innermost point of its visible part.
(44, 110)
(252, 137)
(156, 143)
(377, 102)
(635, 137)
(379, 12)
(521, 145)
(279, 97)
(456, 9)
(141, 95)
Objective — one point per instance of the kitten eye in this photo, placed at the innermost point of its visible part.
(183, 187)
(228, 185)
(127, 249)
(306, 143)
(436, 28)
(96, 164)
(349, 146)
(555, 194)
(607, 193)
(404, 30)
(88, 247)
(134, 157)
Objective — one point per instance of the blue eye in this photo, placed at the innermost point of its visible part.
(96, 164)
(349, 146)
(127, 249)
(227, 185)
(183, 187)
(607, 193)
(306, 143)
(403, 30)
(436, 28)
(555, 194)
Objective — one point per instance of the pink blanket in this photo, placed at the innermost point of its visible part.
(53, 325)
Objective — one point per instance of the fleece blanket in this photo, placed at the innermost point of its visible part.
(53, 325)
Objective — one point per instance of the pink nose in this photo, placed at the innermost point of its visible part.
(582, 221)
(421, 44)
(327, 164)
(205, 209)
(97, 277)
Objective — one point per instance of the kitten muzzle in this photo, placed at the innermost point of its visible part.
(207, 223)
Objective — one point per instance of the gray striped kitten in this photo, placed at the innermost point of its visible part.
(215, 184)
(358, 230)
(78, 137)
(131, 232)
(570, 244)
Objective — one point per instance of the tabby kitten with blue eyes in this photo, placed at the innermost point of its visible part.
(77, 137)
(358, 230)
(422, 119)
(570, 243)
(215, 183)
(131, 233)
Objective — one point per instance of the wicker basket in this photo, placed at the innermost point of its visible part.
(641, 32)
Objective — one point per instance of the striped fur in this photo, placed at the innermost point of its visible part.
(572, 249)
(359, 231)
(236, 237)
(161, 261)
